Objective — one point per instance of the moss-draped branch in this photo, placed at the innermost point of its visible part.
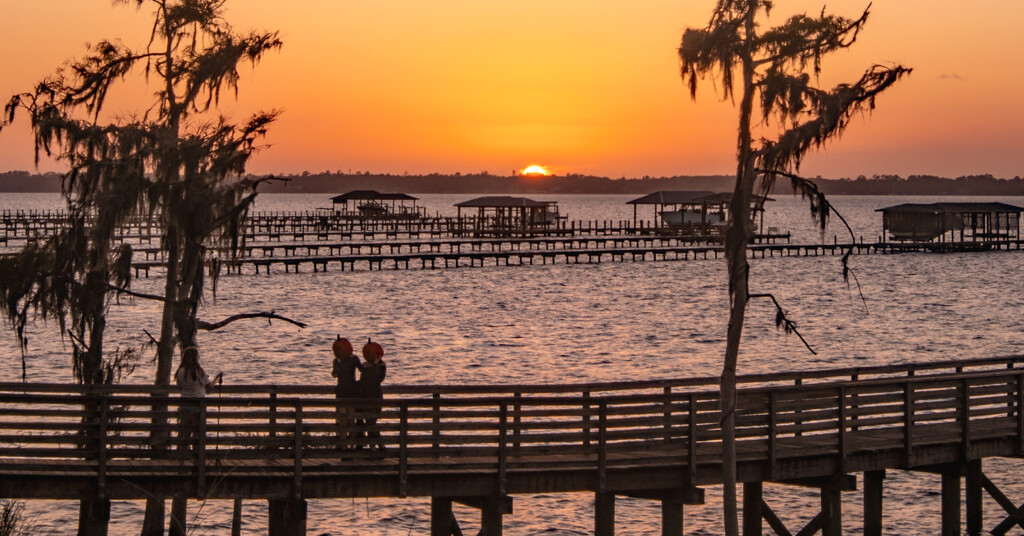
(178, 163)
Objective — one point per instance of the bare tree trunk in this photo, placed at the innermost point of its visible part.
(153, 521)
(737, 235)
(736, 252)
(89, 522)
(189, 293)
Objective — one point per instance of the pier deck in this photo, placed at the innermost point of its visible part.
(482, 445)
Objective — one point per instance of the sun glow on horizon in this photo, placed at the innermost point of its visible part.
(592, 91)
(535, 171)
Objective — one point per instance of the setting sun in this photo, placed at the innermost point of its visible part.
(535, 170)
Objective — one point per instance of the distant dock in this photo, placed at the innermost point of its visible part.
(316, 241)
(522, 252)
(17, 227)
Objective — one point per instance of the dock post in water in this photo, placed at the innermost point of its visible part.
(442, 519)
(752, 511)
(951, 500)
(832, 511)
(972, 490)
(179, 515)
(604, 513)
(873, 481)
(93, 517)
(492, 508)
(287, 517)
(671, 518)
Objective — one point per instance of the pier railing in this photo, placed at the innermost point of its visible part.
(789, 425)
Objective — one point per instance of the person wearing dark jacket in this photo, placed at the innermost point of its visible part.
(344, 369)
(373, 373)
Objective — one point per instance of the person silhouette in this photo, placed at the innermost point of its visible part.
(344, 369)
(194, 384)
(373, 372)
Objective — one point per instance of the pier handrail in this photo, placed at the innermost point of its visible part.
(789, 425)
(751, 380)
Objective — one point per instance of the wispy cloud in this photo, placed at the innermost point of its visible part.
(950, 76)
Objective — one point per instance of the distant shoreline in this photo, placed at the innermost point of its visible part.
(485, 183)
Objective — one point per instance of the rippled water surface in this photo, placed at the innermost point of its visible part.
(577, 323)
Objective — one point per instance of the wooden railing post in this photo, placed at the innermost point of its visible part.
(436, 419)
(201, 451)
(298, 448)
(502, 447)
(1011, 401)
(854, 406)
(965, 420)
(586, 419)
(403, 451)
(908, 423)
(602, 451)
(517, 421)
(101, 462)
(772, 433)
(273, 415)
(668, 414)
(1020, 414)
(691, 436)
(797, 411)
(841, 395)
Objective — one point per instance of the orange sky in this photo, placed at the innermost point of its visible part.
(580, 86)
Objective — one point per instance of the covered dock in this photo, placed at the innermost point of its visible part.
(374, 204)
(695, 212)
(511, 214)
(951, 222)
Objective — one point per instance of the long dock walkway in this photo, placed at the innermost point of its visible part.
(18, 226)
(528, 251)
(483, 445)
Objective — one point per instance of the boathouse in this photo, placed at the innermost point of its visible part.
(951, 222)
(373, 204)
(697, 213)
(510, 214)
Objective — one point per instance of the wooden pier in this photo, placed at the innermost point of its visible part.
(18, 227)
(316, 242)
(529, 251)
(483, 445)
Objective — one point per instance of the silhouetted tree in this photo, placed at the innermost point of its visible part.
(772, 66)
(179, 162)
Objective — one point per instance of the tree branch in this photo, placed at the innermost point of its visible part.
(822, 211)
(829, 33)
(782, 321)
(75, 339)
(143, 295)
(210, 326)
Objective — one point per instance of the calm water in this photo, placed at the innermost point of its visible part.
(577, 323)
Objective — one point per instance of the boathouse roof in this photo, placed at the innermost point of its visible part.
(672, 197)
(926, 222)
(501, 201)
(994, 206)
(685, 197)
(370, 195)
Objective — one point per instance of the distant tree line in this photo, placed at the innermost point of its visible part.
(922, 185)
(485, 183)
(23, 181)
